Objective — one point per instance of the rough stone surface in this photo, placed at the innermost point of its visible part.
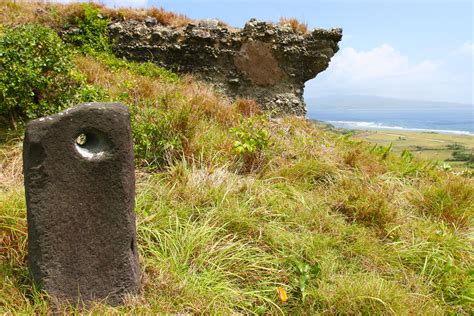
(263, 61)
(80, 199)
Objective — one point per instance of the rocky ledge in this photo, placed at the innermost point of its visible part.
(263, 61)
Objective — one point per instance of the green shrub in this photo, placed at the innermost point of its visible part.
(37, 72)
(91, 32)
(462, 155)
(251, 141)
(92, 93)
(162, 133)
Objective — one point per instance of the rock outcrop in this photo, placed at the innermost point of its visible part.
(263, 61)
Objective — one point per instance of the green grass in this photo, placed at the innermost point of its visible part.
(343, 226)
(428, 146)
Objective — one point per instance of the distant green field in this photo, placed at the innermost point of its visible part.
(425, 145)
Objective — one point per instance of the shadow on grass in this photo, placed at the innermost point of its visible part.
(9, 130)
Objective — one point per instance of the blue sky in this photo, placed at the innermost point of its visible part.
(416, 49)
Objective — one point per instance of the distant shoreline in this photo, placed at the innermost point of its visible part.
(373, 126)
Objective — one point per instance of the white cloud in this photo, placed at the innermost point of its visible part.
(382, 62)
(467, 48)
(385, 71)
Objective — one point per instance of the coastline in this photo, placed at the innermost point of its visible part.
(361, 125)
(456, 150)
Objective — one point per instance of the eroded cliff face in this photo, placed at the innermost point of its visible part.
(263, 61)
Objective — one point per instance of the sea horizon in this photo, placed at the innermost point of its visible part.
(364, 112)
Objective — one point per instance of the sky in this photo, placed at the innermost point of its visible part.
(407, 49)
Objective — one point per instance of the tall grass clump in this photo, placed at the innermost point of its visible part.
(208, 270)
(161, 134)
(450, 200)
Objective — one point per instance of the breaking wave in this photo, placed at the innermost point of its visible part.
(380, 126)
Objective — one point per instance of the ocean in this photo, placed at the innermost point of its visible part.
(354, 113)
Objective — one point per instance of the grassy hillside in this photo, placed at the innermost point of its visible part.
(234, 208)
(456, 150)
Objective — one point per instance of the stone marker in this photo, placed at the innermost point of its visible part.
(80, 186)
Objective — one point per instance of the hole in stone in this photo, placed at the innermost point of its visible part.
(91, 145)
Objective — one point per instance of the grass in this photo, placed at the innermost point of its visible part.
(295, 24)
(59, 16)
(427, 146)
(341, 226)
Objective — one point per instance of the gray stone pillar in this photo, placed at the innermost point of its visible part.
(80, 186)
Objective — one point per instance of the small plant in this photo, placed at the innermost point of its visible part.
(407, 165)
(92, 93)
(305, 273)
(382, 151)
(446, 166)
(37, 74)
(407, 156)
(252, 140)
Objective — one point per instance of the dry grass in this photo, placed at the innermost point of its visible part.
(295, 24)
(162, 16)
(204, 101)
(247, 107)
(11, 166)
(58, 15)
(451, 200)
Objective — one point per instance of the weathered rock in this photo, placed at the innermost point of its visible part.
(79, 181)
(263, 61)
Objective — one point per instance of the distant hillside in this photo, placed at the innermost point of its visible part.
(368, 102)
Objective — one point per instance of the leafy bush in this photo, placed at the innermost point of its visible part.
(92, 93)
(37, 73)
(252, 137)
(456, 146)
(462, 155)
(161, 134)
(252, 141)
(91, 32)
